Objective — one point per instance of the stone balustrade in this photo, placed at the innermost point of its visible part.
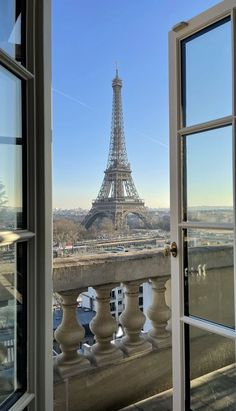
(104, 273)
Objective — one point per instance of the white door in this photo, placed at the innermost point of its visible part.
(202, 158)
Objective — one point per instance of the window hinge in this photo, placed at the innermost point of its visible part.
(180, 26)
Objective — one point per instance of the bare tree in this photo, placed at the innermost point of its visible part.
(65, 231)
(68, 231)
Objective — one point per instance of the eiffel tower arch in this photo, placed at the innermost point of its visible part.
(117, 196)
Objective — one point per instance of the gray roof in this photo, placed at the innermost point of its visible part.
(84, 316)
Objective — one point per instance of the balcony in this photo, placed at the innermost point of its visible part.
(122, 371)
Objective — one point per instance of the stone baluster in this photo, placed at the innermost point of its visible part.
(69, 335)
(132, 320)
(159, 314)
(103, 326)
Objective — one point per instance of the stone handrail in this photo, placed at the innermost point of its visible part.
(75, 273)
(89, 271)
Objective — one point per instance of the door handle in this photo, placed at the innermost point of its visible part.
(173, 249)
(170, 249)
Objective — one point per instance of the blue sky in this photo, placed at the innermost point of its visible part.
(88, 37)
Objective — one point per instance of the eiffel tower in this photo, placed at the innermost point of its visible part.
(118, 196)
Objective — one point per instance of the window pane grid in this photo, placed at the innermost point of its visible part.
(13, 156)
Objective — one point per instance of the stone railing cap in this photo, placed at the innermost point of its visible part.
(78, 272)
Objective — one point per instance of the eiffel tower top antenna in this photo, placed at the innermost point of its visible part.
(116, 63)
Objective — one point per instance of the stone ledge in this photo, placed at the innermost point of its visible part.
(76, 273)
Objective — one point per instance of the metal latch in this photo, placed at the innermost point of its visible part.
(173, 249)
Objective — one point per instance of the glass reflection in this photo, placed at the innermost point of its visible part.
(10, 186)
(10, 27)
(209, 276)
(12, 337)
(207, 75)
(10, 105)
(10, 151)
(212, 371)
(207, 173)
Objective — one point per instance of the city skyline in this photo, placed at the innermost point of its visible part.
(137, 37)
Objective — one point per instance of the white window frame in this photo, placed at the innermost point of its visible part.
(38, 233)
(178, 33)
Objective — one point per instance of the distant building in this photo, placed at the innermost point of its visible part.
(117, 302)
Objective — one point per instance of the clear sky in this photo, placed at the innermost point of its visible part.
(88, 37)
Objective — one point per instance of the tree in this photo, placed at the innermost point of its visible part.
(65, 231)
(69, 231)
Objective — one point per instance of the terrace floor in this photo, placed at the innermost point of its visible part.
(213, 391)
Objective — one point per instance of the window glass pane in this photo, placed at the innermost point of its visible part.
(207, 76)
(10, 186)
(212, 371)
(209, 275)
(10, 27)
(10, 105)
(11, 205)
(12, 321)
(207, 173)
